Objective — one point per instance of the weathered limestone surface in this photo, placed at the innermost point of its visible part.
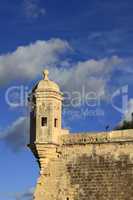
(82, 166)
(87, 170)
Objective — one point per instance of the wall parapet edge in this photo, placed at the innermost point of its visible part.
(102, 137)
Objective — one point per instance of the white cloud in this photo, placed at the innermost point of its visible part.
(17, 134)
(33, 10)
(91, 74)
(28, 61)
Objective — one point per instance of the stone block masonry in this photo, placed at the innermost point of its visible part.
(87, 167)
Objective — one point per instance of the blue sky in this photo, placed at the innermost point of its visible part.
(85, 45)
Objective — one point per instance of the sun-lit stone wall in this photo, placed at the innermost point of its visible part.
(87, 167)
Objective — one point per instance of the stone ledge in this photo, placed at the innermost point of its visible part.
(103, 137)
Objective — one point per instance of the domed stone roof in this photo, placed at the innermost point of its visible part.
(46, 84)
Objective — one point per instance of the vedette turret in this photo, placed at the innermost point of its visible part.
(46, 100)
(45, 126)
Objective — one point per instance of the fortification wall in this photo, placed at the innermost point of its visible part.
(88, 167)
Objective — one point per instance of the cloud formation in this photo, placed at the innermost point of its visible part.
(17, 135)
(92, 74)
(26, 62)
(33, 10)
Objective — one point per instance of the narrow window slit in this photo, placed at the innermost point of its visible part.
(44, 121)
(55, 122)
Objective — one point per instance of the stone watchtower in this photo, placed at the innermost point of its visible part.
(46, 113)
(45, 121)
